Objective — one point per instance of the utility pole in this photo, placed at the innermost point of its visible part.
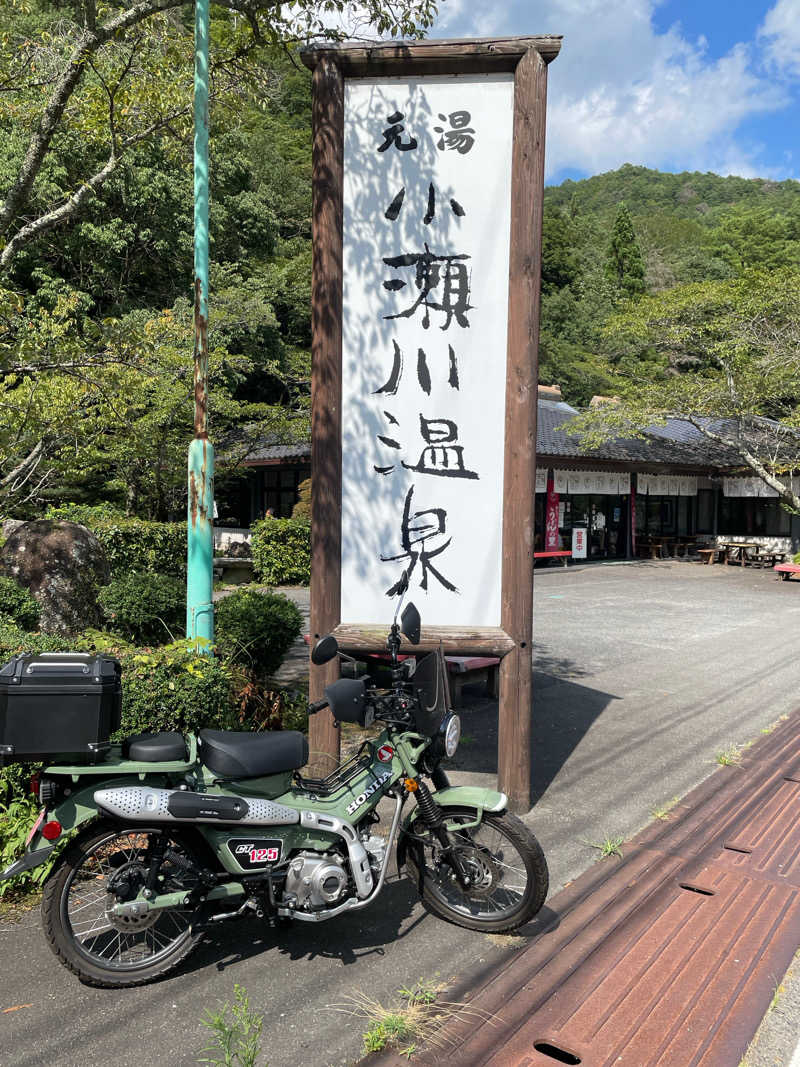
(200, 548)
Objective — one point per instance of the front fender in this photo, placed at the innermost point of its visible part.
(457, 796)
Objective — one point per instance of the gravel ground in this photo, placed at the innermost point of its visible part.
(642, 673)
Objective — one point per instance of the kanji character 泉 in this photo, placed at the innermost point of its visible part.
(415, 531)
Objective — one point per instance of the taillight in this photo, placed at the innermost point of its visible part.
(33, 784)
(51, 830)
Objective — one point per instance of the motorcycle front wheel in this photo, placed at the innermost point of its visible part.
(506, 865)
(104, 866)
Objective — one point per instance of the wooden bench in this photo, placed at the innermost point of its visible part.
(461, 671)
(786, 570)
(564, 555)
(708, 555)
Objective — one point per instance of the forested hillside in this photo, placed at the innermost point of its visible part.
(688, 228)
(95, 312)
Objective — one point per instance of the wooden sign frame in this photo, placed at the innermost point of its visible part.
(527, 58)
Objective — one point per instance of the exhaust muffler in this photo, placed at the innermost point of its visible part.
(144, 804)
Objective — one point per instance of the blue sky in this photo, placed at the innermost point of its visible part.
(670, 84)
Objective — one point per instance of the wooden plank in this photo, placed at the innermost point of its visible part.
(326, 390)
(492, 641)
(445, 56)
(527, 184)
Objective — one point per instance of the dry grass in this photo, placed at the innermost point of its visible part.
(419, 1017)
(730, 757)
(665, 809)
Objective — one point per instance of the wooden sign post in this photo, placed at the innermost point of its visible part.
(428, 184)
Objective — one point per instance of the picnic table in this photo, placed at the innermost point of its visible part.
(749, 552)
(786, 570)
(742, 552)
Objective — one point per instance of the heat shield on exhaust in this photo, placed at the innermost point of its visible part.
(144, 804)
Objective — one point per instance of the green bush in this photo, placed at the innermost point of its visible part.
(13, 640)
(282, 551)
(175, 688)
(131, 545)
(796, 557)
(256, 629)
(85, 514)
(136, 546)
(17, 605)
(145, 608)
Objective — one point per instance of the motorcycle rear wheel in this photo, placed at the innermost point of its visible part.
(505, 860)
(106, 863)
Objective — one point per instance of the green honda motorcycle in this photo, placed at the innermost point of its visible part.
(171, 835)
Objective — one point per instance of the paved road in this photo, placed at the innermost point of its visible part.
(643, 673)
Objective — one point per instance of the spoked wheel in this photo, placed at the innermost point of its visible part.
(505, 863)
(107, 867)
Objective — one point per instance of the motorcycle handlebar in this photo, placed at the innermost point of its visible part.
(318, 705)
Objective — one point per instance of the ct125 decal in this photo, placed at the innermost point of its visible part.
(255, 853)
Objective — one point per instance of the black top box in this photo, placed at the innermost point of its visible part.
(58, 705)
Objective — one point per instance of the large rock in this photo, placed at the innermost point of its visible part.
(63, 564)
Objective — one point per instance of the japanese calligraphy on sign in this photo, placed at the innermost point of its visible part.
(427, 174)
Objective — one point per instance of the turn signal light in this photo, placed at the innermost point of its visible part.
(33, 784)
(51, 830)
(411, 785)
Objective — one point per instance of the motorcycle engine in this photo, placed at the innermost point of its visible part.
(317, 880)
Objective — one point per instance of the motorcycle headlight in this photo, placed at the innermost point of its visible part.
(452, 735)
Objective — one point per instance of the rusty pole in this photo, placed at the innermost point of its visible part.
(200, 546)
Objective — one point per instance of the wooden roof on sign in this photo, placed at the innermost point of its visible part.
(455, 56)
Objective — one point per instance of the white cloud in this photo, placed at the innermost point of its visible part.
(780, 36)
(622, 92)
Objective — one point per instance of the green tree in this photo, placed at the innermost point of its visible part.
(728, 359)
(95, 237)
(624, 263)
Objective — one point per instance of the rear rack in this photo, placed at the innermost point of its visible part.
(341, 776)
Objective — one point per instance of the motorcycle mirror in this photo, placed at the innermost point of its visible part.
(411, 623)
(324, 650)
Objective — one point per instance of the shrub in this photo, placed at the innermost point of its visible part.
(175, 688)
(131, 545)
(85, 514)
(257, 629)
(17, 605)
(146, 608)
(282, 551)
(796, 557)
(136, 546)
(13, 640)
(302, 509)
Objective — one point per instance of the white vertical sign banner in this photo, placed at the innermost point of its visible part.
(426, 233)
(541, 479)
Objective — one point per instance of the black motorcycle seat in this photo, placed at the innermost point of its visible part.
(154, 748)
(240, 754)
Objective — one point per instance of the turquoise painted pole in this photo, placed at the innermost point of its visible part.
(200, 549)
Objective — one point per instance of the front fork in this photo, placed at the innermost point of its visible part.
(431, 815)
